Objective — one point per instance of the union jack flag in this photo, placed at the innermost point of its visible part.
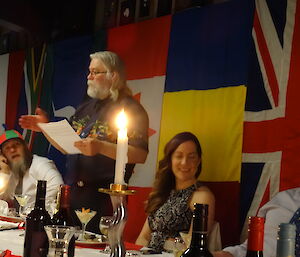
(271, 147)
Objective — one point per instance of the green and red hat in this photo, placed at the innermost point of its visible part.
(10, 134)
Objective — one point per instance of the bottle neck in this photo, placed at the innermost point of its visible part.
(199, 235)
(255, 240)
(199, 240)
(40, 195)
(64, 201)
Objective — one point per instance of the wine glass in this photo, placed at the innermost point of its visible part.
(175, 245)
(51, 207)
(84, 215)
(104, 225)
(23, 209)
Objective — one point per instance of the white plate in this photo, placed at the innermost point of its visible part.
(98, 241)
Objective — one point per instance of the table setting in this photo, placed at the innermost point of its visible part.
(87, 244)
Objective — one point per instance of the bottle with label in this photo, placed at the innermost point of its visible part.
(255, 236)
(198, 246)
(64, 215)
(286, 240)
(36, 240)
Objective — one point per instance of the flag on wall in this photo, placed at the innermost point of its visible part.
(12, 82)
(205, 94)
(144, 49)
(271, 129)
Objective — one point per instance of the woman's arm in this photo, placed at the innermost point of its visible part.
(144, 236)
(205, 196)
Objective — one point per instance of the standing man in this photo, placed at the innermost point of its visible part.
(94, 121)
(25, 169)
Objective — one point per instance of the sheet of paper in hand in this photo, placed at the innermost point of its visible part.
(61, 135)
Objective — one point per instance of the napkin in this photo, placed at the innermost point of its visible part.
(3, 207)
(4, 225)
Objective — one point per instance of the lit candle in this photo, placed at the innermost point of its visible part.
(122, 148)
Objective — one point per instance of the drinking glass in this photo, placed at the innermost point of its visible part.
(23, 209)
(84, 215)
(104, 225)
(175, 245)
(59, 238)
(51, 207)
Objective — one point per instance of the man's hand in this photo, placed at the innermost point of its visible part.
(31, 121)
(88, 146)
(3, 165)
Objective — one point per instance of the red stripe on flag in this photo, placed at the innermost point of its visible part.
(136, 213)
(264, 136)
(264, 51)
(143, 46)
(15, 78)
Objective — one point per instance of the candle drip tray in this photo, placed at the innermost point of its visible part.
(117, 189)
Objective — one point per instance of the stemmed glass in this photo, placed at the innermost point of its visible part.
(104, 225)
(23, 209)
(84, 215)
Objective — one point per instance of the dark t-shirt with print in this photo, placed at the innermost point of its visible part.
(85, 174)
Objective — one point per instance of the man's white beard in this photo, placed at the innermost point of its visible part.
(95, 90)
(19, 166)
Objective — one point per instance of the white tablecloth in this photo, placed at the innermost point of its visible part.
(11, 240)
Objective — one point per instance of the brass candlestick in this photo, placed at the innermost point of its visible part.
(118, 195)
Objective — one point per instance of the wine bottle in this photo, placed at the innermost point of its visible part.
(255, 236)
(64, 216)
(198, 246)
(286, 240)
(36, 240)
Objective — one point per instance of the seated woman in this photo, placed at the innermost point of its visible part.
(175, 189)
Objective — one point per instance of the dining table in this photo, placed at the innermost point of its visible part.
(12, 243)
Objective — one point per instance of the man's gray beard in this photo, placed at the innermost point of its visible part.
(95, 91)
(19, 167)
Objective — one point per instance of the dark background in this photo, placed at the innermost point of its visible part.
(29, 23)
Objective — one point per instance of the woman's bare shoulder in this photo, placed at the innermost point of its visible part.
(203, 192)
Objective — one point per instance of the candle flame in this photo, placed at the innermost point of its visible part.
(121, 120)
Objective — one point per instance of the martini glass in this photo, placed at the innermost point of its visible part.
(84, 215)
(22, 200)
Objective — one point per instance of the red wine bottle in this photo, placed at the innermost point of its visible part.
(36, 240)
(64, 216)
(255, 236)
(198, 246)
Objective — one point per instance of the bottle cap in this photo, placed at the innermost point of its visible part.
(42, 184)
(256, 223)
(256, 233)
(201, 209)
(286, 231)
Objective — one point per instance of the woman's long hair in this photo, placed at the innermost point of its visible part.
(164, 179)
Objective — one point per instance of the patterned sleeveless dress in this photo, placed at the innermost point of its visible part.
(172, 217)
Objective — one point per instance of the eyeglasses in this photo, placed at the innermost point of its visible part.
(94, 73)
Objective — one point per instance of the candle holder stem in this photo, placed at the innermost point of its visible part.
(118, 195)
(116, 230)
